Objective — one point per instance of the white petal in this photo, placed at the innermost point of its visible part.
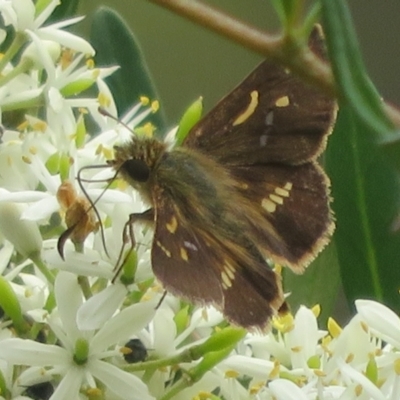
(123, 325)
(253, 367)
(164, 331)
(107, 71)
(6, 252)
(3, 35)
(23, 234)
(22, 96)
(358, 377)
(56, 101)
(42, 17)
(87, 264)
(383, 322)
(49, 51)
(42, 55)
(352, 340)
(8, 14)
(123, 384)
(66, 22)
(303, 336)
(26, 196)
(28, 352)
(41, 210)
(69, 386)
(101, 307)
(284, 389)
(67, 39)
(25, 10)
(69, 299)
(209, 382)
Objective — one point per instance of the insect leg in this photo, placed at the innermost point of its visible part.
(128, 235)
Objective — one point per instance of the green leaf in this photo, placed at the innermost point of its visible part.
(354, 85)
(115, 44)
(364, 182)
(365, 188)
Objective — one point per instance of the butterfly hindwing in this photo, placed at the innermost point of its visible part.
(295, 202)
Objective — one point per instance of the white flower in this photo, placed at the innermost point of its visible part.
(284, 389)
(303, 339)
(21, 15)
(80, 368)
(382, 321)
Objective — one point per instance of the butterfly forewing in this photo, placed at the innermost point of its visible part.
(181, 258)
(272, 116)
(208, 267)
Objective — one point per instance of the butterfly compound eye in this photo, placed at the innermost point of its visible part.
(137, 170)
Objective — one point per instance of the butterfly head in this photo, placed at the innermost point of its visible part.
(136, 160)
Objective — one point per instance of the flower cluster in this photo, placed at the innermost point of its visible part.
(71, 333)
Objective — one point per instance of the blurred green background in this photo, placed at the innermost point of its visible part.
(188, 61)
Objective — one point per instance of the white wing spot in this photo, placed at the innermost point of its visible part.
(248, 112)
(268, 205)
(276, 199)
(282, 101)
(165, 250)
(242, 185)
(184, 254)
(281, 192)
(226, 282)
(228, 265)
(269, 119)
(263, 140)
(190, 245)
(288, 186)
(230, 273)
(172, 225)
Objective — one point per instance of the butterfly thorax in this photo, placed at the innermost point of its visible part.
(202, 190)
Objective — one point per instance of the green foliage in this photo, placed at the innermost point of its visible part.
(115, 44)
(364, 180)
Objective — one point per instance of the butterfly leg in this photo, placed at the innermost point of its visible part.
(128, 235)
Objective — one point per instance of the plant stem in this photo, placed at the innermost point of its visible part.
(304, 63)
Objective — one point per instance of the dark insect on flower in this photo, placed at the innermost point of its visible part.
(134, 351)
(40, 391)
(244, 187)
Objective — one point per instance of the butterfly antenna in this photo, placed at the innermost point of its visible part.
(161, 300)
(104, 112)
(93, 202)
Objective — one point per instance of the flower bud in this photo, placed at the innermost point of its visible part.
(23, 234)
